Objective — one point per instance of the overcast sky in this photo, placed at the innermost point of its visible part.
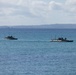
(37, 12)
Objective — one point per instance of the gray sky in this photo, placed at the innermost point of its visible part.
(37, 12)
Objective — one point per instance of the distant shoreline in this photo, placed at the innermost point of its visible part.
(47, 26)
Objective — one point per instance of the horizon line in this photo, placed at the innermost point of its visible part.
(39, 24)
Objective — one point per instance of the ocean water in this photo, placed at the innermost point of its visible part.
(34, 54)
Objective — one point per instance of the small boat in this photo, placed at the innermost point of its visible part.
(61, 40)
(11, 38)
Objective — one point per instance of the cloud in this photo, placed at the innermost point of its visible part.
(23, 7)
(55, 6)
(6, 8)
(70, 6)
(37, 9)
(9, 1)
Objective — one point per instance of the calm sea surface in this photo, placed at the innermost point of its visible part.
(34, 54)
